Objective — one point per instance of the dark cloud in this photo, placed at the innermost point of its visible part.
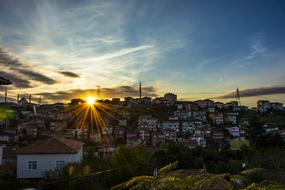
(17, 81)
(120, 91)
(8, 60)
(22, 73)
(36, 76)
(256, 92)
(69, 74)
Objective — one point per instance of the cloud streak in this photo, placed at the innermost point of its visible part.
(20, 73)
(256, 92)
(69, 74)
(119, 91)
(18, 82)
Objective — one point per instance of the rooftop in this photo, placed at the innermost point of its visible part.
(52, 146)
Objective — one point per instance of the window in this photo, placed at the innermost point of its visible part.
(32, 165)
(59, 164)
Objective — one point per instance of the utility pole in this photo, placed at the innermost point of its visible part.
(6, 89)
(238, 97)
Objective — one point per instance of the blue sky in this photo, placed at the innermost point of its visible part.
(196, 49)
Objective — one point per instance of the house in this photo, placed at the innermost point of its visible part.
(187, 126)
(204, 131)
(217, 135)
(234, 131)
(219, 105)
(147, 122)
(8, 155)
(169, 125)
(231, 117)
(158, 138)
(159, 101)
(198, 141)
(48, 154)
(181, 114)
(231, 105)
(170, 134)
(116, 101)
(217, 118)
(263, 105)
(8, 137)
(205, 103)
(145, 101)
(211, 109)
(199, 115)
(133, 139)
(130, 101)
(170, 98)
(105, 150)
(276, 106)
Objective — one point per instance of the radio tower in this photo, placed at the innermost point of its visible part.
(140, 90)
(98, 91)
(238, 97)
(6, 89)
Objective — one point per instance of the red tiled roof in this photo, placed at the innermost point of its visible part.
(52, 146)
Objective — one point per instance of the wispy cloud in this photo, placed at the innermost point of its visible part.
(116, 54)
(256, 47)
(256, 92)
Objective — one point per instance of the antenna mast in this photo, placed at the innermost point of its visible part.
(238, 97)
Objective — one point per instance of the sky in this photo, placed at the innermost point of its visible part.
(61, 49)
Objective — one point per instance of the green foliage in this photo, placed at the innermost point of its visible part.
(140, 182)
(132, 162)
(266, 185)
(254, 175)
(6, 113)
(168, 168)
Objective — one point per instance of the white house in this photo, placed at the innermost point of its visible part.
(35, 159)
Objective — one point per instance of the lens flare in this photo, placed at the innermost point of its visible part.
(90, 100)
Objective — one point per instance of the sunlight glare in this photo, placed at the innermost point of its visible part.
(90, 100)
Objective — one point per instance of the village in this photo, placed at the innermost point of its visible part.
(39, 137)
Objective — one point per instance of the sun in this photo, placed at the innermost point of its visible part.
(90, 100)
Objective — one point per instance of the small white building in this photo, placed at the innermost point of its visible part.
(44, 155)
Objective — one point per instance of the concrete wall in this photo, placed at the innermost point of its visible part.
(45, 162)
